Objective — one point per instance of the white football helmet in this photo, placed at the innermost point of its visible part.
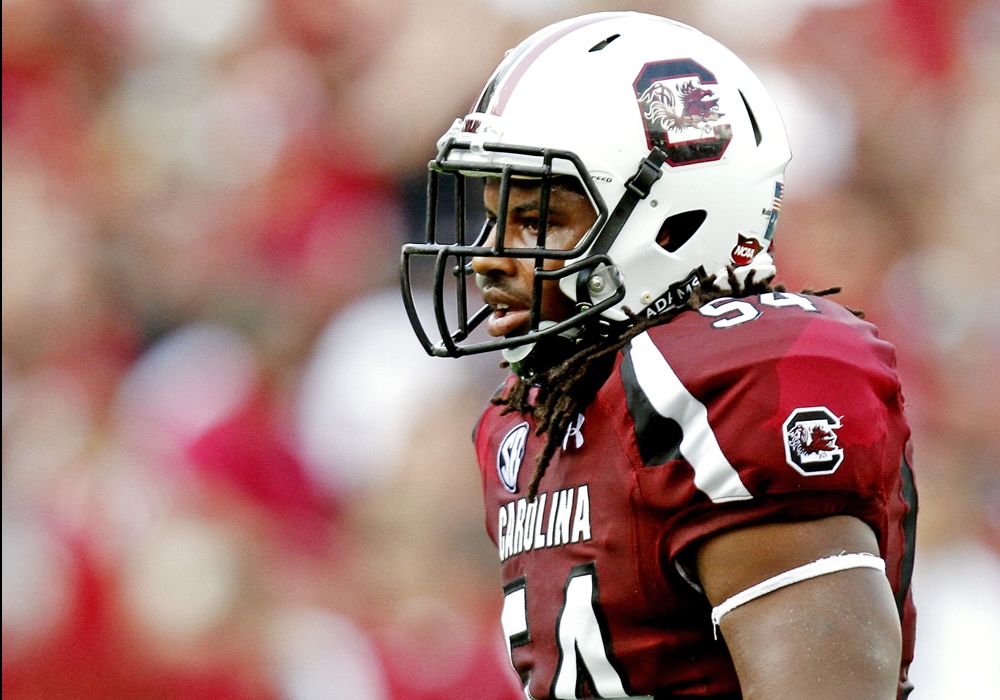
(678, 144)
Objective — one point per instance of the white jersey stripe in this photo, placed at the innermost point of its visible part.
(713, 474)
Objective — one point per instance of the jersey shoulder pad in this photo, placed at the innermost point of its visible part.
(780, 387)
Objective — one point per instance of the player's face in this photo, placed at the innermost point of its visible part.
(507, 282)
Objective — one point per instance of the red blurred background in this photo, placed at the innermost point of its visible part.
(229, 471)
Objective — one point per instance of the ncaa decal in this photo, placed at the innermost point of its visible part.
(681, 112)
(745, 251)
(811, 441)
(510, 455)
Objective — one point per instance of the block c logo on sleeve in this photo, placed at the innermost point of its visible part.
(811, 441)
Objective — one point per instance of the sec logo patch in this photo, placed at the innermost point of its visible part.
(510, 454)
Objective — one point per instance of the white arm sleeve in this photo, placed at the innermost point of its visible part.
(827, 565)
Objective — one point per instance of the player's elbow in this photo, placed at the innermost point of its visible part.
(875, 649)
(869, 638)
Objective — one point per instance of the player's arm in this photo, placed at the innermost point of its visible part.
(833, 636)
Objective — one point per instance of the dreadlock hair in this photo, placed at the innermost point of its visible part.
(568, 387)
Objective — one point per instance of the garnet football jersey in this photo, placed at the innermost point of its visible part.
(776, 407)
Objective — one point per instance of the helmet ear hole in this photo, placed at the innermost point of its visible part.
(678, 229)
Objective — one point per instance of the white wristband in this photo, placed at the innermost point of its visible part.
(827, 565)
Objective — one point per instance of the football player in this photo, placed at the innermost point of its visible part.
(698, 482)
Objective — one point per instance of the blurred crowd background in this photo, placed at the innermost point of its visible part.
(229, 472)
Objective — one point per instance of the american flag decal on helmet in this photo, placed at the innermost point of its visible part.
(779, 192)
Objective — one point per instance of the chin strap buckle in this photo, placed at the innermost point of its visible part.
(637, 188)
(649, 172)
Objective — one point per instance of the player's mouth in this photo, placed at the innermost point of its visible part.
(505, 321)
(509, 318)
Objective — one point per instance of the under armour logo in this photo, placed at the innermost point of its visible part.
(574, 430)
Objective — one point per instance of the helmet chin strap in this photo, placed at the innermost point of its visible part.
(519, 353)
(529, 359)
(637, 188)
(526, 359)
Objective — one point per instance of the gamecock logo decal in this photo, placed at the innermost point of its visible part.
(681, 112)
(811, 441)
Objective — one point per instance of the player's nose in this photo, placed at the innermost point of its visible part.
(488, 266)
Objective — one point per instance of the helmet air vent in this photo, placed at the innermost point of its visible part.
(753, 119)
(678, 229)
(602, 44)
